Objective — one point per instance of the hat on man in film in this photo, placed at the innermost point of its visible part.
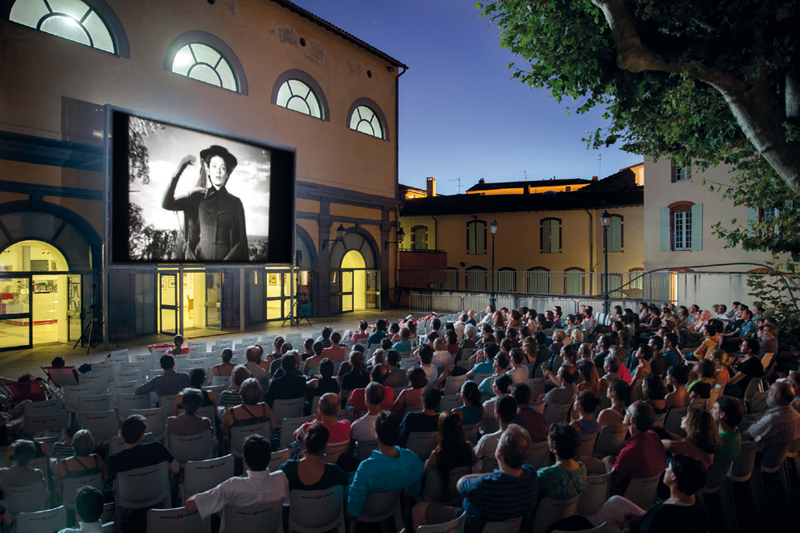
(215, 150)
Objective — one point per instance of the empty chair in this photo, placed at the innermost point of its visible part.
(380, 506)
(642, 491)
(133, 366)
(610, 440)
(290, 425)
(240, 433)
(595, 494)
(268, 339)
(42, 521)
(200, 476)
(556, 413)
(167, 401)
(156, 421)
(142, 487)
(135, 376)
(247, 341)
(118, 356)
(225, 343)
(128, 402)
(37, 425)
(196, 447)
(72, 393)
(772, 463)
(453, 526)
(46, 407)
(24, 499)
(176, 520)
(540, 454)
(316, 511)
(294, 338)
(551, 510)
(452, 384)
(422, 443)
(94, 402)
(196, 346)
(102, 424)
(115, 388)
(262, 517)
(287, 409)
(62, 376)
(220, 380)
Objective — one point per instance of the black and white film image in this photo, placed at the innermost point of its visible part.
(196, 197)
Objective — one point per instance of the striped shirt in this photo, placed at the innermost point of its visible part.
(498, 497)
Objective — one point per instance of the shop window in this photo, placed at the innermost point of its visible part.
(550, 236)
(74, 20)
(615, 235)
(476, 237)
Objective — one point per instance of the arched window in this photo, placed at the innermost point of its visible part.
(299, 91)
(537, 281)
(90, 22)
(205, 57)
(476, 237)
(365, 116)
(451, 279)
(475, 279)
(550, 236)
(506, 280)
(573, 281)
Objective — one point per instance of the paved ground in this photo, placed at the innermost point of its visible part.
(17, 362)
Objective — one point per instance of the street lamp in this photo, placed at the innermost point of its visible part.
(492, 299)
(605, 221)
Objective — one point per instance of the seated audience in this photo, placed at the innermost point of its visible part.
(567, 478)
(585, 405)
(727, 414)
(89, 508)
(565, 390)
(329, 406)
(251, 411)
(425, 421)
(389, 468)
(654, 392)
(413, 395)
(529, 419)
(619, 393)
(750, 368)
(225, 368)
(363, 429)
(471, 410)
(397, 376)
(780, 424)
(311, 365)
(311, 472)
(197, 378)
(84, 462)
(508, 492)
(258, 486)
(356, 378)
(189, 423)
(506, 411)
(452, 451)
(701, 379)
(20, 475)
(378, 375)
(643, 454)
(168, 383)
(288, 386)
(681, 512)
(677, 378)
(702, 438)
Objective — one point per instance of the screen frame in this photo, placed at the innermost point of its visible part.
(283, 194)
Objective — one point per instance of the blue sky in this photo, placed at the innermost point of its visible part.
(461, 114)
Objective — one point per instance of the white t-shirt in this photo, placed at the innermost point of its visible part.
(363, 429)
(431, 372)
(258, 487)
(441, 359)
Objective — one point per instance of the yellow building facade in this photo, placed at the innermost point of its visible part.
(268, 71)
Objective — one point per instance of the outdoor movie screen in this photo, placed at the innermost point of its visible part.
(182, 195)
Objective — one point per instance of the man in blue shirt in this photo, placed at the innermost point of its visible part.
(671, 353)
(389, 468)
(380, 333)
(507, 493)
(487, 366)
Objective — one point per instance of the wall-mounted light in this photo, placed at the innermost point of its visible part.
(340, 231)
(401, 235)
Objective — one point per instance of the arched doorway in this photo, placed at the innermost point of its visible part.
(355, 276)
(42, 303)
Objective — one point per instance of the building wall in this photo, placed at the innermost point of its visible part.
(661, 192)
(55, 89)
(517, 242)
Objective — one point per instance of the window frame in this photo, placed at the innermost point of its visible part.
(541, 236)
(680, 173)
(305, 77)
(218, 45)
(476, 222)
(674, 209)
(367, 102)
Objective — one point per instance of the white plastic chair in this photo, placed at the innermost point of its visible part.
(595, 494)
(448, 403)
(156, 421)
(24, 499)
(196, 447)
(71, 486)
(46, 407)
(277, 458)
(38, 424)
(282, 409)
(262, 517)
(247, 341)
(240, 433)
(199, 476)
(610, 440)
(176, 520)
(116, 388)
(102, 424)
(673, 421)
(41, 521)
(378, 507)
(333, 451)
(290, 425)
(540, 455)
(587, 444)
(94, 402)
(365, 448)
(72, 393)
(220, 380)
(316, 511)
(433, 491)
(551, 510)
(556, 413)
(142, 487)
(137, 376)
(453, 526)
(116, 443)
(452, 385)
(199, 345)
(642, 491)
(471, 432)
(422, 443)
(128, 402)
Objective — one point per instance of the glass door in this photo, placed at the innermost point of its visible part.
(214, 300)
(74, 307)
(168, 302)
(347, 290)
(16, 319)
(373, 289)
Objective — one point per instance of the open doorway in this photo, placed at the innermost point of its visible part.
(354, 282)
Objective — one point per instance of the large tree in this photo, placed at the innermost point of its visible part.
(712, 82)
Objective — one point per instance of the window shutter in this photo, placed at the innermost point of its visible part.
(697, 227)
(541, 237)
(752, 219)
(556, 229)
(666, 245)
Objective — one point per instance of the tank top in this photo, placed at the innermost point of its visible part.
(253, 420)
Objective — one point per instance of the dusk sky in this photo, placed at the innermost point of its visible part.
(461, 114)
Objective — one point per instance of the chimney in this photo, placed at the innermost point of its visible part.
(431, 186)
(481, 181)
(594, 178)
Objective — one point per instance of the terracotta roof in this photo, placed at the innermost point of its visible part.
(523, 184)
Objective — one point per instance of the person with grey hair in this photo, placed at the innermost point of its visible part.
(468, 341)
(780, 423)
(189, 423)
(461, 325)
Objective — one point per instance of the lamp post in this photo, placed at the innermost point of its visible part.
(492, 299)
(605, 221)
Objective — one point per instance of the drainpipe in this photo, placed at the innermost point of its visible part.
(591, 240)
(435, 232)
